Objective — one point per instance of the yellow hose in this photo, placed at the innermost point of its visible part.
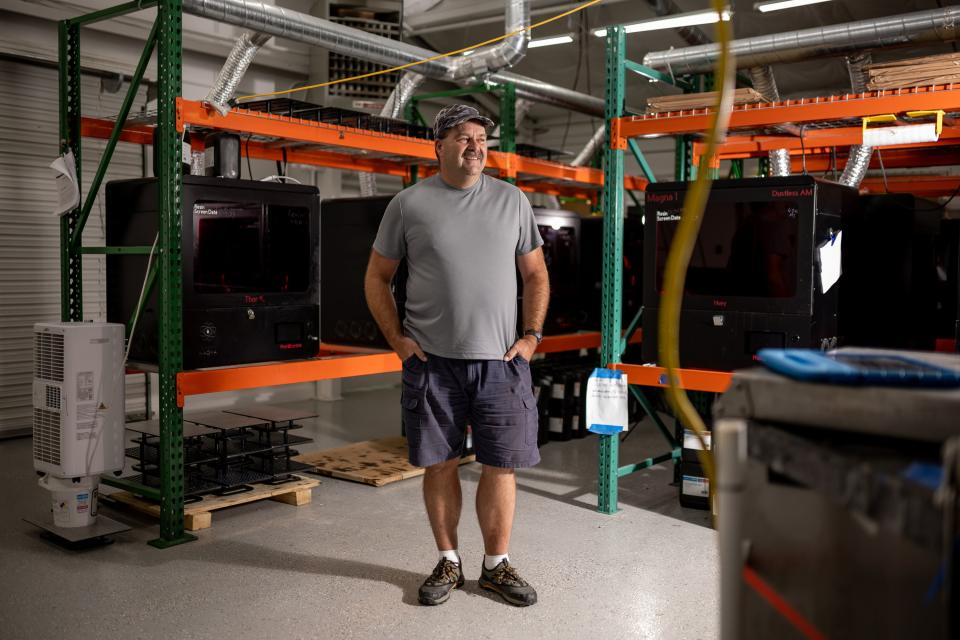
(685, 239)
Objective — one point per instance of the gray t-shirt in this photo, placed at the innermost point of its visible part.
(461, 247)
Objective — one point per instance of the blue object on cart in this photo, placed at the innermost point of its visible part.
(869, 369)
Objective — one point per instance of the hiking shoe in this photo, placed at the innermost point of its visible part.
(446, 577)
(504, 580)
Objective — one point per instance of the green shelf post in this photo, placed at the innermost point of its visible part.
(508, 121)
(169, 74)
(71, 267)
(609, 445)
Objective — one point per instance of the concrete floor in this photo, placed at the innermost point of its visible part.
(348, 565)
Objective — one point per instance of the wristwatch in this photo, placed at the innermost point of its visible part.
(536, 334)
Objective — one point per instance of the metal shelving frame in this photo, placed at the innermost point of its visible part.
(272, 137)
(833, 122)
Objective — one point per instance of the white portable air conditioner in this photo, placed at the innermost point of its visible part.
(78, 403)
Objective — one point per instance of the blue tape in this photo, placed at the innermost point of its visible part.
(605, 429)
(606, 373)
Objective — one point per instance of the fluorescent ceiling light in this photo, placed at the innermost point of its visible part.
(546, 42)
(670, 22)
(777, 5)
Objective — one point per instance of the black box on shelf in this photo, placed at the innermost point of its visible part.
(754, 279)
(250, 269)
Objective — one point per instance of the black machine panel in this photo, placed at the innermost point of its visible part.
(348, 227)
(753, 280)
(250, 269)
(890, 277)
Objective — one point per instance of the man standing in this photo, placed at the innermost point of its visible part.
(464, 235)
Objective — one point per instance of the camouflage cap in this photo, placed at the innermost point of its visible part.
(454, 115)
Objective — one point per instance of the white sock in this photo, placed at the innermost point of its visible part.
(451, 555)
(490, 562)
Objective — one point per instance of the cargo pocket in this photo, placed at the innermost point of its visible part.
(531, 419)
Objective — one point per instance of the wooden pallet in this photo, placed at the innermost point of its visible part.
(373, 462)
(198, 515)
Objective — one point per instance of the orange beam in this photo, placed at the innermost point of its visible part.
(818, 109)
(690, 379)
(815, 141)
(329, 159)
(251, 377)
(264, 124)
(892, 159)
(97, 128)
(924, 186)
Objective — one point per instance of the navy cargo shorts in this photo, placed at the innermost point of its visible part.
(442, 395)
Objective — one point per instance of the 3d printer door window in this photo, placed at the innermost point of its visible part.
(744, 249)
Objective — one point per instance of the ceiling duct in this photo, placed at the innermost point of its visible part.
(858, 160)
(392, 108)
(242, 54)
(766, 84)
(936, 25)
(692, 35)
(300, 27)
(594, 143)
(482, 63)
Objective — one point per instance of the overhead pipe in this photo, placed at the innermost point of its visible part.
(300, 27)
(936, 25)
(594, 143)
(505, 53)
(858, 159)
(233, 70)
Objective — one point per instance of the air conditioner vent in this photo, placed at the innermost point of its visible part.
(48, 356)
(52, 397)
(46, 436)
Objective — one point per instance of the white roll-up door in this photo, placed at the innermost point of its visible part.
(30, 233)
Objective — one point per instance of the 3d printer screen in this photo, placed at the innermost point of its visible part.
(227, 253)
(744, 249)
(239, 250)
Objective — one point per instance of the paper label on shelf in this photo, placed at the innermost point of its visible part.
(606, 410)
(68, 193)
(829, 253)
(691, 441)
(696, 486)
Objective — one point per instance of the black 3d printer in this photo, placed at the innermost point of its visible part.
(250, 269)
(754, 277)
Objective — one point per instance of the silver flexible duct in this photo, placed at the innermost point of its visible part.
(834, 40)
(301, 27)
(764, 82)
(594, 143)
(392, 108)
(857, 69)
(857, 164)
(779, 162)
(858, 160)
(242, 54)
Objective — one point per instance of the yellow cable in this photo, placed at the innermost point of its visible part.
(426, 60)
(684, 240)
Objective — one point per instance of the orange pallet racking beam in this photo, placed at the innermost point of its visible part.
(402, 151)
(689, 379)
(814, 141)
(923, 186)
(806, 110)
(250, 377)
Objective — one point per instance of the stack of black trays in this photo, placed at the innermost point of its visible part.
(226, 451)
(559, 384)
(337, 116)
